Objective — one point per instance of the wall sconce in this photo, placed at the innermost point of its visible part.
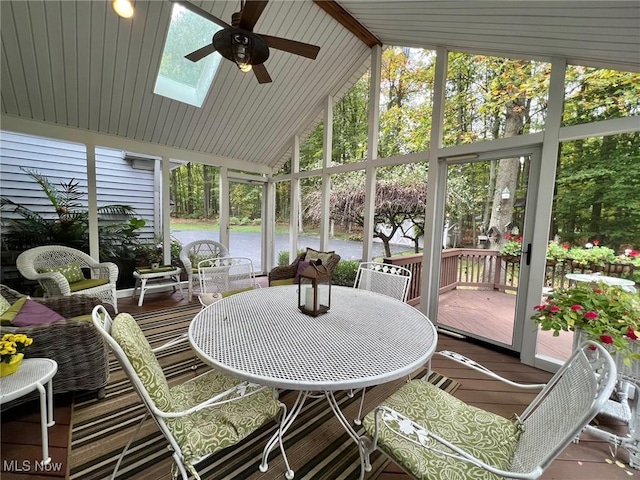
(506, 194)
(124, 8)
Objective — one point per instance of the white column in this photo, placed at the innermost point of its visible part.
(224, 207)
(372, 153)
(436, 185)
(327, 147)
(92, 202)
(165, 210)
(269, 222)
(294, 208)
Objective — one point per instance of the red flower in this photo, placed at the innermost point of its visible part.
(631, 333)
(596, 242)
(519, 239)
(590, 315)
(606, 339)
(634, 253)
(592, 347)
(566, 245)
(554, 309)
(576, 308)
(507, 236)
(539, 308)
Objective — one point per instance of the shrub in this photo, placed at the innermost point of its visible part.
(344, 273)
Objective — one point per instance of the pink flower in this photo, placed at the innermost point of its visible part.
(631, 333)
(634, 253)
(606, 339)
(576, 308)
(590, 315)
(566, 246)
(539, 308)
(554, 309)
(596, 242)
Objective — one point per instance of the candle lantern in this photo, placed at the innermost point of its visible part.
(314, 288)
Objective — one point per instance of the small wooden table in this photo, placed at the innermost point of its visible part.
(149, 279)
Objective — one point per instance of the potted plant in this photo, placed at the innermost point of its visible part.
(511, 249)
(602, 313)
(557, 252)
(12, 347)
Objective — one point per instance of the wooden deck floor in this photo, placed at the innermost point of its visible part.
(583, 461)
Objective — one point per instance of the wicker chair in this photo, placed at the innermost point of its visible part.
(32, 262)
(194, 252)
(75, 344)
(282, 275)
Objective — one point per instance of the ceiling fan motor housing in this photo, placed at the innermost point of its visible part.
(236, 44)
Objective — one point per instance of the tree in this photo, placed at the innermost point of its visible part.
(398, 206)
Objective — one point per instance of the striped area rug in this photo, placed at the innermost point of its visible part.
(317, 445)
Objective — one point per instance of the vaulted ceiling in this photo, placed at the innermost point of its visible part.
(77, 64)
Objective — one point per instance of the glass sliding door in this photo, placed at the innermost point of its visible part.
(485, 254)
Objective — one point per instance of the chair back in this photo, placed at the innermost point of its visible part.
(194, 252)
(571, 399)
(384, 278)
(226, 274)
(133, 352)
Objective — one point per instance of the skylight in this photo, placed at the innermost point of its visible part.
(181, 79)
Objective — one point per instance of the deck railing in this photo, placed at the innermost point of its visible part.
(462, 267)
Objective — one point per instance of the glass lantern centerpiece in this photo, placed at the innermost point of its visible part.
(314, 288)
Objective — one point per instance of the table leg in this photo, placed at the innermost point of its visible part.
(143, 288)
(46, 459)
(286, 423)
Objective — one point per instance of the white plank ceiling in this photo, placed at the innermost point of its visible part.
(77, 64)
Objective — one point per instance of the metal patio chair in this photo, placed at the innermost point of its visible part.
(220, 277)
(387, 279)
(432, 434)
(194, 252)
(199, 417)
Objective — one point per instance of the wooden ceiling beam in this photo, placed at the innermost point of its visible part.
(338, 12)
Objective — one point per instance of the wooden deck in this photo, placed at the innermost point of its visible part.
(583, 461)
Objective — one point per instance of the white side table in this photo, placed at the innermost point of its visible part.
(33, 374)
(148, 279)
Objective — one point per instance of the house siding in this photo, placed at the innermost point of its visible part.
(118, 181)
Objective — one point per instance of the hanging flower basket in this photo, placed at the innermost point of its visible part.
(511, 258)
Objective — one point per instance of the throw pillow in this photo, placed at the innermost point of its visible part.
(312, 254)
(71, 271)
(34, 313)
(7, 317)
(4, 305)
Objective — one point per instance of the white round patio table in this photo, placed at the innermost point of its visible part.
(365, 339)
(628, 285)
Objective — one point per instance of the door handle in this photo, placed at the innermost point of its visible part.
(527, 254)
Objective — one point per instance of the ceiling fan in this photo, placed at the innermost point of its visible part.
(237, 42)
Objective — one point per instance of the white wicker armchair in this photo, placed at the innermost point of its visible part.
(193, 253)
(101, 281)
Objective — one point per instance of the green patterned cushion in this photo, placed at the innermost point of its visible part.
(4, 305)
(10, 313)
(87, 283)
(127, 333)
(71, 271)
(214, 428)
(489, 437)
(286, 281)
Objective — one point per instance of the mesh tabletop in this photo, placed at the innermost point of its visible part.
(365, 339)
(32, 371)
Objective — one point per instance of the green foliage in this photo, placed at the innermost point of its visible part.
(556, 251)
(607, 314)
(153, 252)
(595, 255)
(68, 223)
(344, 273)
(283, 257)
(513, 246)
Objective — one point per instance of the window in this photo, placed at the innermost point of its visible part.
(181, 79)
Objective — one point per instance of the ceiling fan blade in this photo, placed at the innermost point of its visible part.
(201, 53)
(251, 13)
(203, 13)
(261, 73)
(291, 46)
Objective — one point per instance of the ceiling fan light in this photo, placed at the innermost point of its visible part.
(245, 67)
(124, 8)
